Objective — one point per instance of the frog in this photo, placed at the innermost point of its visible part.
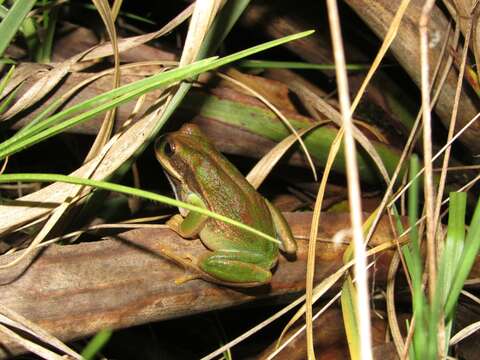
(200, 175)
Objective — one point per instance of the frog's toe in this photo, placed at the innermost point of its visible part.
(190, 257)
(185, 278)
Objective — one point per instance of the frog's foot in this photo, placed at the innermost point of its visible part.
(174, 222)
(188, 262)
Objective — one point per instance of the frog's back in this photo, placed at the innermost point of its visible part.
(228, 193)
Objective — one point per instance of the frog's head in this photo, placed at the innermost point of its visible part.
(178, 152)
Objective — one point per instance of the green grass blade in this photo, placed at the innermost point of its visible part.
(45, 129)
(7, 101)
(135, 89)
(348, 300)
(255, 49)
(96, 344)
(223, 23)
(44, 52)
(221, 26)
(29, 32)
(455, 242)
(469, 253)
(3, 12)
(413, 259)
(104, 185)
(448, 264)
(12, 22)
(7, 61)
(3, 83)
(6, 78)
(268, 64)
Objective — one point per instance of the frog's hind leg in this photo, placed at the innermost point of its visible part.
(282, 229)
(235, 267)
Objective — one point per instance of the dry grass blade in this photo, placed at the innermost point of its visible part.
(360, 269)
(327, 110)
(279, 114)
(319, 290)
(51, 222)
(464, 333)
(202, 17)
(255, 329)
(317, 293)
(11, 319)
(76, 194)
(427, 149)
(331, 113)
(131, 42)
(47, 82)
(55, 194)
(262, 168)
(453, 122)
(470, 295)
(303, 327)
(30, 345)
(107, 125)
(41, 87)
(392, 317)
(22, 72)
(412, 136)
(313, 235)
(4, 166)
(437, 155)
(387, 41)
(476, 35)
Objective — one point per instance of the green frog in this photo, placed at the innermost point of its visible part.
(202, 176)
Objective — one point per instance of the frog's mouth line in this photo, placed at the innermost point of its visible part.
(174, 183)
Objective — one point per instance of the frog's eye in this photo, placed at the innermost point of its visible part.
(169, 148)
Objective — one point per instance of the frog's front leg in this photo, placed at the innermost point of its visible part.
(235, 267)
(193, 223)
(282, 229)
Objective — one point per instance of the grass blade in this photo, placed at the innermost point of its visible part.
(96, 343)
(413, 259)
(103, 102)
(349, 313)
(12, 22)
(265, 64)
(104, 185)
(468, 255)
